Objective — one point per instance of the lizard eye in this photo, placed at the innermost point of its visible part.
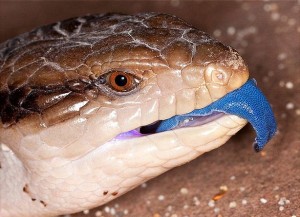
(120, 81)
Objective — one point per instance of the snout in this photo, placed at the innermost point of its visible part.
(221, 79)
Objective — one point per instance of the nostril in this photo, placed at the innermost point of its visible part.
(220, 77)
(216, 78)
(217, 75)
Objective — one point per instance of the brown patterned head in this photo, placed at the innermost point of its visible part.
(79, 66)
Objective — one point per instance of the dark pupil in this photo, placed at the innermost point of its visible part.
(121, 80)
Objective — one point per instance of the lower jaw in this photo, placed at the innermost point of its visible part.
(130, 161)
(148, 156)
(122, 164)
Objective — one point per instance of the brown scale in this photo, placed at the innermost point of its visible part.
(45, 72)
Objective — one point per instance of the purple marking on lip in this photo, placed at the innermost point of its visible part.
(129, 135)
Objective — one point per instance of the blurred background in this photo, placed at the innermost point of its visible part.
(232, 180)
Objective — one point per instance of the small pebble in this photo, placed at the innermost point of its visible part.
(297, 111)
(242, 189)
(217, 33)
(289, 85)
(232, 205)
(144, 185)
(231, 30)
(4, 147)
(275, 16)
(270, 7)
(244, 202)
(291, 22)
(112, 211)
(263, 200)
(282, 56)
(185, 206)
(196, 201)
(281, 83)
(156, 215)
(174, 215)
(232, 178)
(263, 153)
(289, 106)
(125, 211)
(161, 197)
(282, 201)
(281, 208)
(98, 213)
(216, 210)
(169, 208)
(85, 212)
(184, 191)
(211, 203)
(106, 209)
(223, 188)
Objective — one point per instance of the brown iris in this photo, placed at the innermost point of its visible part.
(121, 81)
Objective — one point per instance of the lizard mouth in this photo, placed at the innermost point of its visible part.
(246, 102)
(189, 121)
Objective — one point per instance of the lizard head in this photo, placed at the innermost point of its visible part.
(103, 103)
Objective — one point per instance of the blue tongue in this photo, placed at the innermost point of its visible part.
(247, 102)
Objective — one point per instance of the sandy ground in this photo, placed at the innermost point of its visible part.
(267, 34)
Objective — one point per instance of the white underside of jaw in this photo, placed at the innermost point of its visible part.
(118, 166)
(130, 162)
